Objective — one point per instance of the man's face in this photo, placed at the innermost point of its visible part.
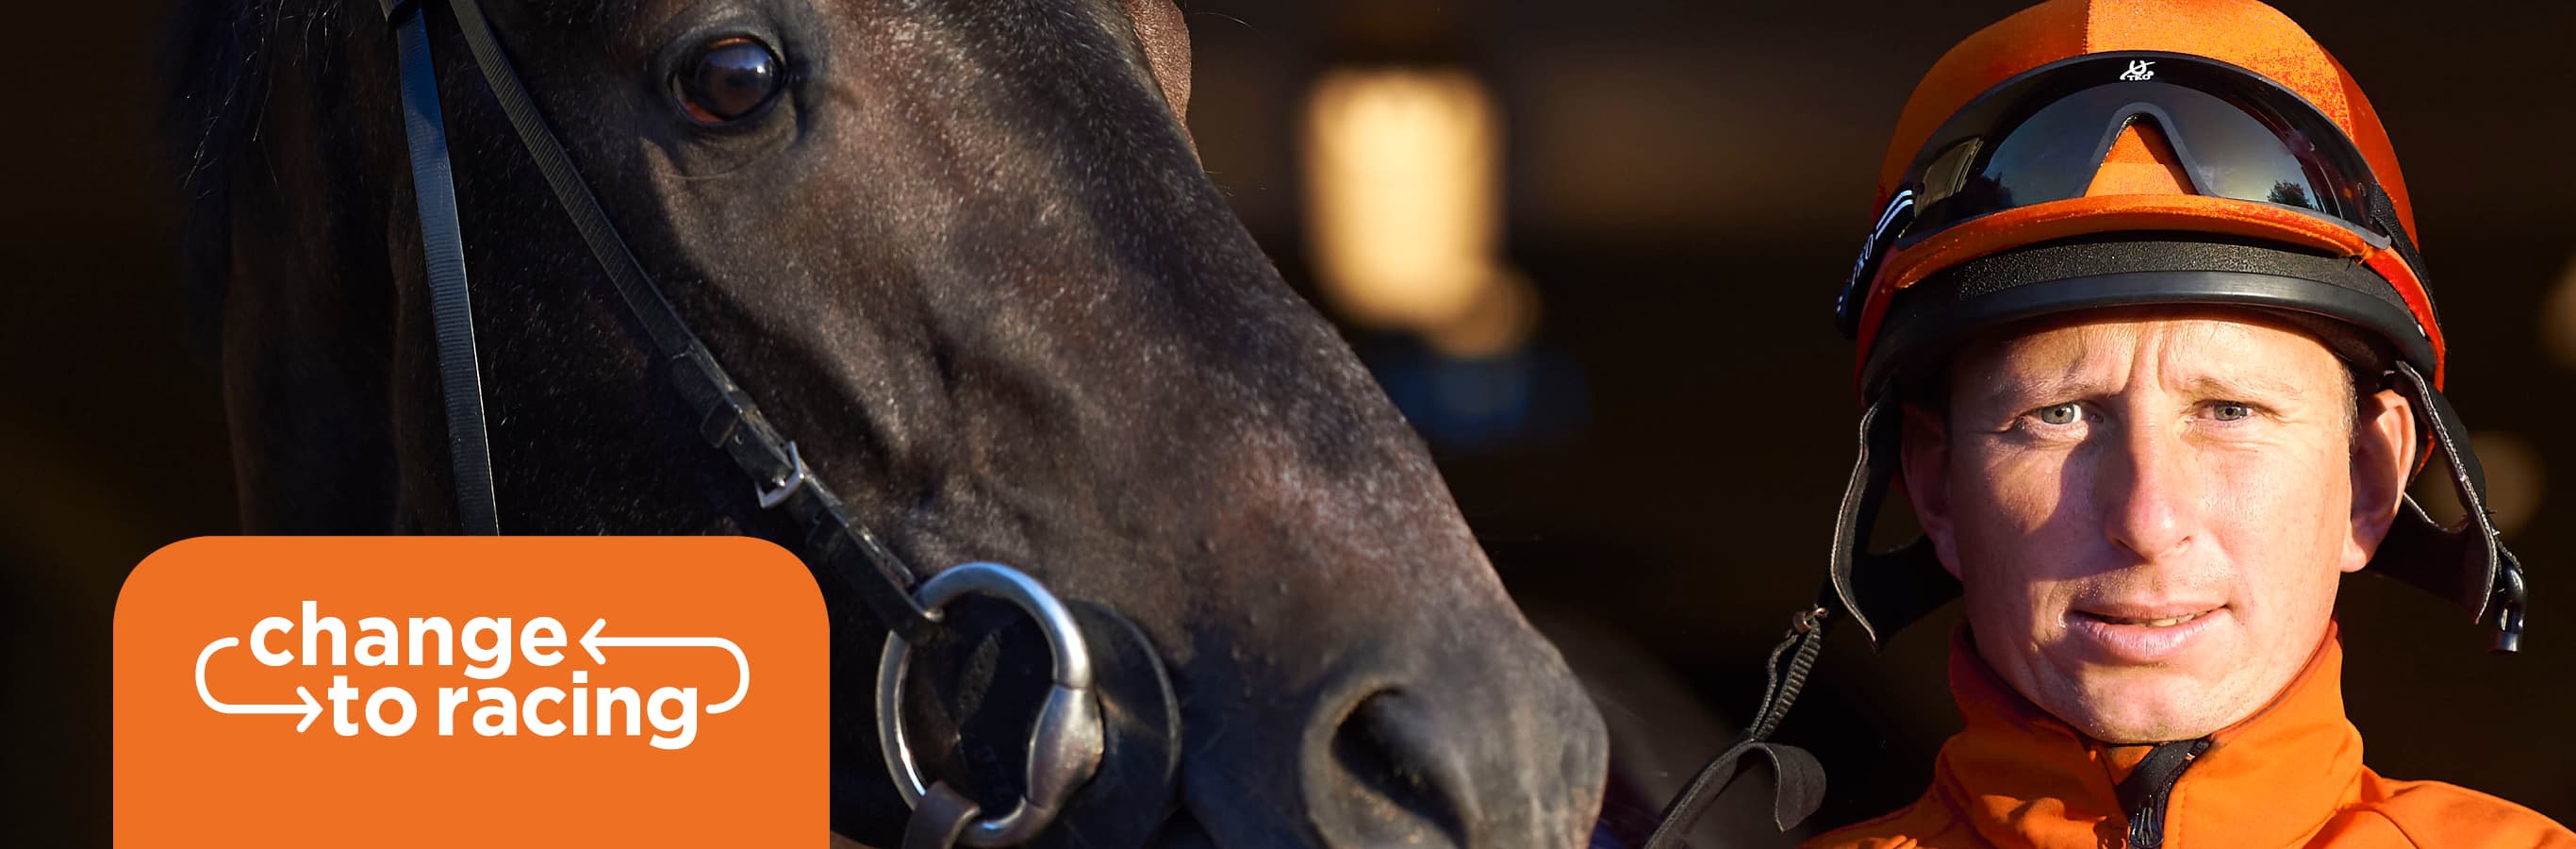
(2150, 510)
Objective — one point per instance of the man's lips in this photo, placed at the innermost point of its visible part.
(2142, 634)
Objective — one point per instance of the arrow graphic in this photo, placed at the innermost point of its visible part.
(592, 641)
(309, 708)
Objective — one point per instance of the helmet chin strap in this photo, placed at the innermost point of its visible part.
(2467, 564)
(1881, 591)
(1885, 592)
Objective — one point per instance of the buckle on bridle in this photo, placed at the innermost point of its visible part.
(1808, 621)
(782, 488)
(1066, 743)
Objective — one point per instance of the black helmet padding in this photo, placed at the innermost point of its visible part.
(2139, 269)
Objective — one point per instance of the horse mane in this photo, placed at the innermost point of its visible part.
(224, 56)
(224, 61)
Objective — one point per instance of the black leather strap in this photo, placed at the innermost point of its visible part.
(2468, 564)
(843, 554)
(451, 309)
(1798, 785)
(1881, 592)
(941, 819)
(1799, 780)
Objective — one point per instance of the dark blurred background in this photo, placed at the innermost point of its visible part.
(1651, 436)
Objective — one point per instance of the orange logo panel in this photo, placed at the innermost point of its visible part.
(417, 691)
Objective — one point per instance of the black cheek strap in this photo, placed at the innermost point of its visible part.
(1882, 592)
(442, 244)
(2467, 564)
(848, 560)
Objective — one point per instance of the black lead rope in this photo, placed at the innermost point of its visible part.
(1800, 778)
(841, 552)
(451, 309)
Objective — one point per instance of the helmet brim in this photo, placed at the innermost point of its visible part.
(1925, 322)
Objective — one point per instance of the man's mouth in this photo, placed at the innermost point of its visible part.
(2142, 634)
(2151, 622)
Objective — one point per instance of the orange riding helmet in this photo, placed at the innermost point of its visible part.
(2085, 154)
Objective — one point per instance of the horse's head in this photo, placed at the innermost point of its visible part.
(963, 252)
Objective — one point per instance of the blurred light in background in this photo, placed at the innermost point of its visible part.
(1535, 395)
(1404, 219)
(1404, 208)
(2558, 319)
(2515, 477)
(2516, 480)
(1497, 322)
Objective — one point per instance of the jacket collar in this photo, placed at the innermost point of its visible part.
(2025, 778)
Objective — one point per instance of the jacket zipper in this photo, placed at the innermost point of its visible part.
(2150, 787)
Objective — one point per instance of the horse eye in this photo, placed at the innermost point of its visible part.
(727, 79)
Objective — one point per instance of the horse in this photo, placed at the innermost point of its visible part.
(965, 251)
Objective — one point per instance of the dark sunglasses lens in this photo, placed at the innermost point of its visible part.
(2001, 157)
(2230, 154)
(2055, 153)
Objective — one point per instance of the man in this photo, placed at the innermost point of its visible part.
(2145, 335)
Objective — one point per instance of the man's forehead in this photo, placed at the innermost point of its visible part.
(2202, 350)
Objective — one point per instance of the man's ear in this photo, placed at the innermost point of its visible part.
(1926, 458)
(2383, 458)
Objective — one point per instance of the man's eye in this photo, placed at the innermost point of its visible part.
(2061, 414)
(2228, 411)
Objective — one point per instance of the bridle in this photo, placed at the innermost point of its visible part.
(1104, 773)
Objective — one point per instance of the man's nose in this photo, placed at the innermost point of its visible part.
(2148, 496)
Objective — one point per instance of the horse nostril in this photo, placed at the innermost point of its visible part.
(1388, 779)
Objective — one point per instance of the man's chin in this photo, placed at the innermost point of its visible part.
(2140, 706)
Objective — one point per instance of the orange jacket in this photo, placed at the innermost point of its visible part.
(2290, 775)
